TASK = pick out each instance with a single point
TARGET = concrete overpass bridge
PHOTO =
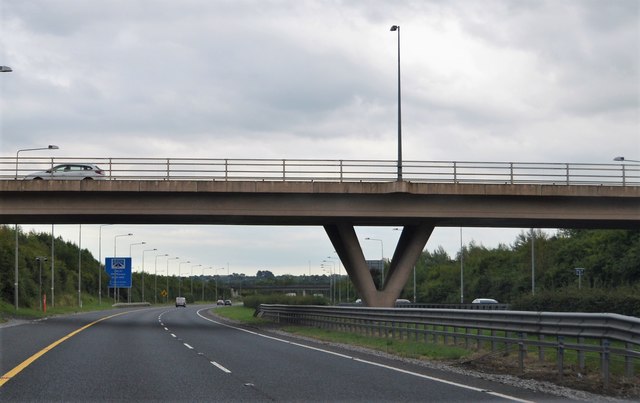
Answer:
(338, 195)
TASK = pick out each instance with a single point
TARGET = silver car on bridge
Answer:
(70, 171)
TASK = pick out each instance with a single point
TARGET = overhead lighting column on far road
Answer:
(100, 263)
(146, 250)
(116, 291)
(191, 275)
(381, 259)
(167, 290)
(50, 147)
(180, 277)
(155, 279)
(131, 256)
(397, 28)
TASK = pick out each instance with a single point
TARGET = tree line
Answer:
(610, 281)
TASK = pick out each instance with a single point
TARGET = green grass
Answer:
(403, 348)
(239, 313)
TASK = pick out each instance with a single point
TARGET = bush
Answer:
(623, 301)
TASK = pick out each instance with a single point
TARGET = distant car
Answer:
(181, 301)
(359, 301)
(227, 302)
(70, 171)
(220, 302)
(401, 301)
(484, 301)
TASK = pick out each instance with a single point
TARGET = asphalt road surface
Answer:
(185, 354)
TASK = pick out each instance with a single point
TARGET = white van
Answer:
(181, 301)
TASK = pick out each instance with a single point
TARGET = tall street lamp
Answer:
(100, 263)
(397, 28)
(191, 275)
(131, 256)
(155, 279)
(50, 147)
(146, 250)
(180, 277)
(171, 258)
(40, 259)
(625, 159)
(116, 291)
(381, 259)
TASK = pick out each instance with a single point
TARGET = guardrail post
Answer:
(522, 352)
(110, 169)
(284, 170)
(560, 356)
(493, 341)
(341, 171)
(168, 168)
(541, 349)
(628, 361)
(226, 169)
(624, 175)
(581, 354)
(605, 356)
(567, 168)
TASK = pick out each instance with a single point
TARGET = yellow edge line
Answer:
(24, 364)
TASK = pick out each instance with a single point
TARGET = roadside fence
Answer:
(621, 174)
(608, 336)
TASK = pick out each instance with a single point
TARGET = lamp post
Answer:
(180, 277)
(381, 259)
(116, 291)
(131, 256)
(339, 277)
(397, 28)
(155, 279)
(329, 270)
(100, 263)
(333, 270)
(50, 147)
(191, 275)
(216, 278)
(171, 258)
(40, 259)
(146, 250)
(621, 159)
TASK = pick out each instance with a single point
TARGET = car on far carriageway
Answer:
(220, 302)
(181, 301)
(69, 171)
(484, 301)
(227, 302)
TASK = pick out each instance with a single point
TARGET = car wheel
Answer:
(37, 179)
(87, 179)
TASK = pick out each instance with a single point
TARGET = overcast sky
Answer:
(532, 81)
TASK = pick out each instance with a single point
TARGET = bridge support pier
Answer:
(410, 246)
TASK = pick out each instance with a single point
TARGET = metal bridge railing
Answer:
(338, 170)
(608, 336)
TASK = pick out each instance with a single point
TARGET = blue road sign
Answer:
(119, 271)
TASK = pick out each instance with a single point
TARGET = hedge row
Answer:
(621, 301)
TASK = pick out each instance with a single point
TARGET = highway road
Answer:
(187, 354)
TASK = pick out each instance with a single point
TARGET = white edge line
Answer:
(188, 346)
(367, 362)
(173, 335)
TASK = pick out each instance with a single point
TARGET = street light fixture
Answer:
(50, 147)
(5, 69)
(40, 259)
(381, 259)
(191, 275)
(180, 277)
(155, 279)
(146, 250)
(397, 28)
(131, 256)
(622, 159)
(167, 290)
(116, 291)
